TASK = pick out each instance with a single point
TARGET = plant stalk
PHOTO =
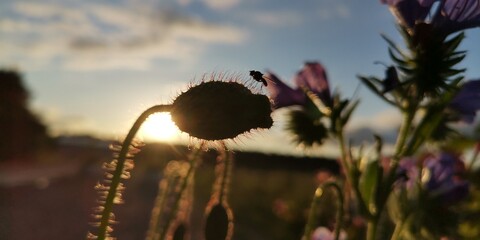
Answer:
(115, 181)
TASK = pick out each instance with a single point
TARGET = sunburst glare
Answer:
(159, 127)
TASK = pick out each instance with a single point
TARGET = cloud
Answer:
(60, 123)
(221, 4)
(277, 19)
(383, 120)
(330, 10)
(384, 124)
(98, 36)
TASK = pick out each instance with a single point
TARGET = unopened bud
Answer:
(217, 110)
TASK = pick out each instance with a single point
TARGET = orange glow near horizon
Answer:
(159, 127)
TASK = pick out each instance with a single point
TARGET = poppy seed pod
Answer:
(219, 223)
(217, 110)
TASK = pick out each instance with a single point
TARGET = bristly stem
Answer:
(193, 160)
(115, 180)
(309, 228)
(225, 162)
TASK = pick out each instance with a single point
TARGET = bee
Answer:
(258, 76)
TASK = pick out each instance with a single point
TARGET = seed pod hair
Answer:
(218, 110)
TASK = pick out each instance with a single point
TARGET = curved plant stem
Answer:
(408, 117)
(352, 180)
(194, 160)
(309, 228)
(372, 228)
(225, 175)
(115, 181)
(397, 231)
(346, 164)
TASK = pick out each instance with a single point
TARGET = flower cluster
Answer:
(312, 77)
(466, 102)
(318, 112)
(440, 177)
(446, 16)
(420, 192)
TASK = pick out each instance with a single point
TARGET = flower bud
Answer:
(219, 223)
(217, 110)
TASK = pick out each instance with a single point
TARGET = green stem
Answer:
(397, 231)
(372, 228)
(351, 179)
(310, 226)
(346, 164)
(427, 125)
(408, 117)
(115, 181)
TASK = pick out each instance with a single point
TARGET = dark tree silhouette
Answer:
(21, 133)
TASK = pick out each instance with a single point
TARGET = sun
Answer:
(159, 127)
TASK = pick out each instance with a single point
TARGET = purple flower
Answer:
(312, 77)
(453, 15)
(457, 15)
(467, 101)
(409, 12)
(283, 95)
(323, 233)
(439, 177)
(408, 172)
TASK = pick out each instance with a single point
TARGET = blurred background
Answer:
(76, 74)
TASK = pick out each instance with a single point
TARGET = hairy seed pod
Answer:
(217, 110)
(219, 223)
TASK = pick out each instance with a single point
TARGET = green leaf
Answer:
(393, 45)
(453, 43)
(406, 70)
(453, 61)
(429, 123)
(348, 112)
(369, 181)
(396, 59)
(452, 72)
(369, 83)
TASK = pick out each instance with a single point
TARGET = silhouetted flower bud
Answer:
(217, 110)
(219, 224)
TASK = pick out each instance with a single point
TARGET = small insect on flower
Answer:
(258, 76)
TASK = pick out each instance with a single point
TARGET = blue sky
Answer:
(94, 66)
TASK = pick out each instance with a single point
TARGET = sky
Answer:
(93, 66)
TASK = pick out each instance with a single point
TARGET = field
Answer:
(53, 198)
